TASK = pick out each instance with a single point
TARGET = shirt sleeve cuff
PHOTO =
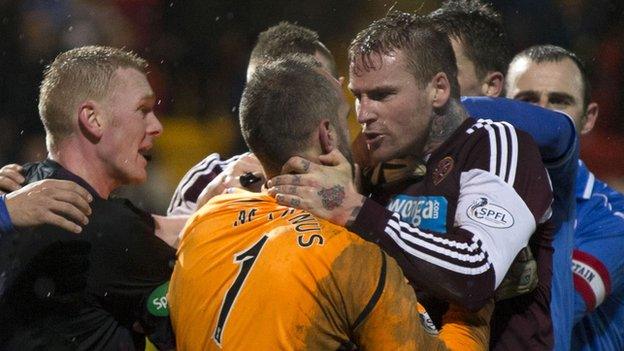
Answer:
(371, 221)
(6, 225)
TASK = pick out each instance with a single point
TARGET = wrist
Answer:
(352, 209)
(6, 225)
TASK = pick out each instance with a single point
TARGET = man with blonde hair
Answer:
(97, 108)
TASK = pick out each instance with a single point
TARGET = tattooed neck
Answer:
(442, 126)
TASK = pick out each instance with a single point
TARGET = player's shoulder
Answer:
(499, 142)
(496, 132)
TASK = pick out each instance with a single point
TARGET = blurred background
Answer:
(198, 52)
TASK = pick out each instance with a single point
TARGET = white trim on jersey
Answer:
(403, 239)
(514, 152)
(180, 206)
(589, 186)
(504, 145)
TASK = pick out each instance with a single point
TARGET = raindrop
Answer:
(162, 61)
(105, 293)
(158, 102)
(44, 287)
(171, 4)
(22, 132)
(70, 29)
(234, 109)
(217, 18)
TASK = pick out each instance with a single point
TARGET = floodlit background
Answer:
(198, 51)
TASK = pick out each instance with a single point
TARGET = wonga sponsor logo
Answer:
(424, 212)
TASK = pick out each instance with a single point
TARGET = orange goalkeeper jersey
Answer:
(254, 275)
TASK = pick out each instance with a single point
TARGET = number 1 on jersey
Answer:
(246, 259)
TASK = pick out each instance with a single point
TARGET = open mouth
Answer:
(146, 155)
(373, 140)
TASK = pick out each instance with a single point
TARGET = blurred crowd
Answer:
(198, 51)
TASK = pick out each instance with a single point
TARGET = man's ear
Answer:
(493, 84)
(441, 89)
(90, 120)
(590, 118)
(327, 136)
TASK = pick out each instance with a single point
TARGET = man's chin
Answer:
(136, 179)
(379, 156)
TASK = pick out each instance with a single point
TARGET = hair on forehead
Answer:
(282, 105)
(427, 51)
(553, 53)
(480, 29)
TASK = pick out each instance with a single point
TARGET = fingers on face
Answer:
(297, 164)
(333, 158)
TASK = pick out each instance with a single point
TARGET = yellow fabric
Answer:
(306, 288)
(149, 346)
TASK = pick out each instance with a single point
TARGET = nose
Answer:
(364, 111)
(154, 127)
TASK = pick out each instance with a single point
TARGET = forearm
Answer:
(168, 228)
(458, 263)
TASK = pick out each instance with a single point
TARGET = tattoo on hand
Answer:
(332, 197)
(295, 202)
(296, 179)
(306, 165)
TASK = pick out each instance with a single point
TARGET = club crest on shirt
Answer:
(424, 212)
(485, 212)
(443, 168)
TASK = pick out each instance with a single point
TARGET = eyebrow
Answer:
(562, 96)
(148, 97)
(532, 94)
(382, 88)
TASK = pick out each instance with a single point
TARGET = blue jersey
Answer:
(598, 265)
(556, 137)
